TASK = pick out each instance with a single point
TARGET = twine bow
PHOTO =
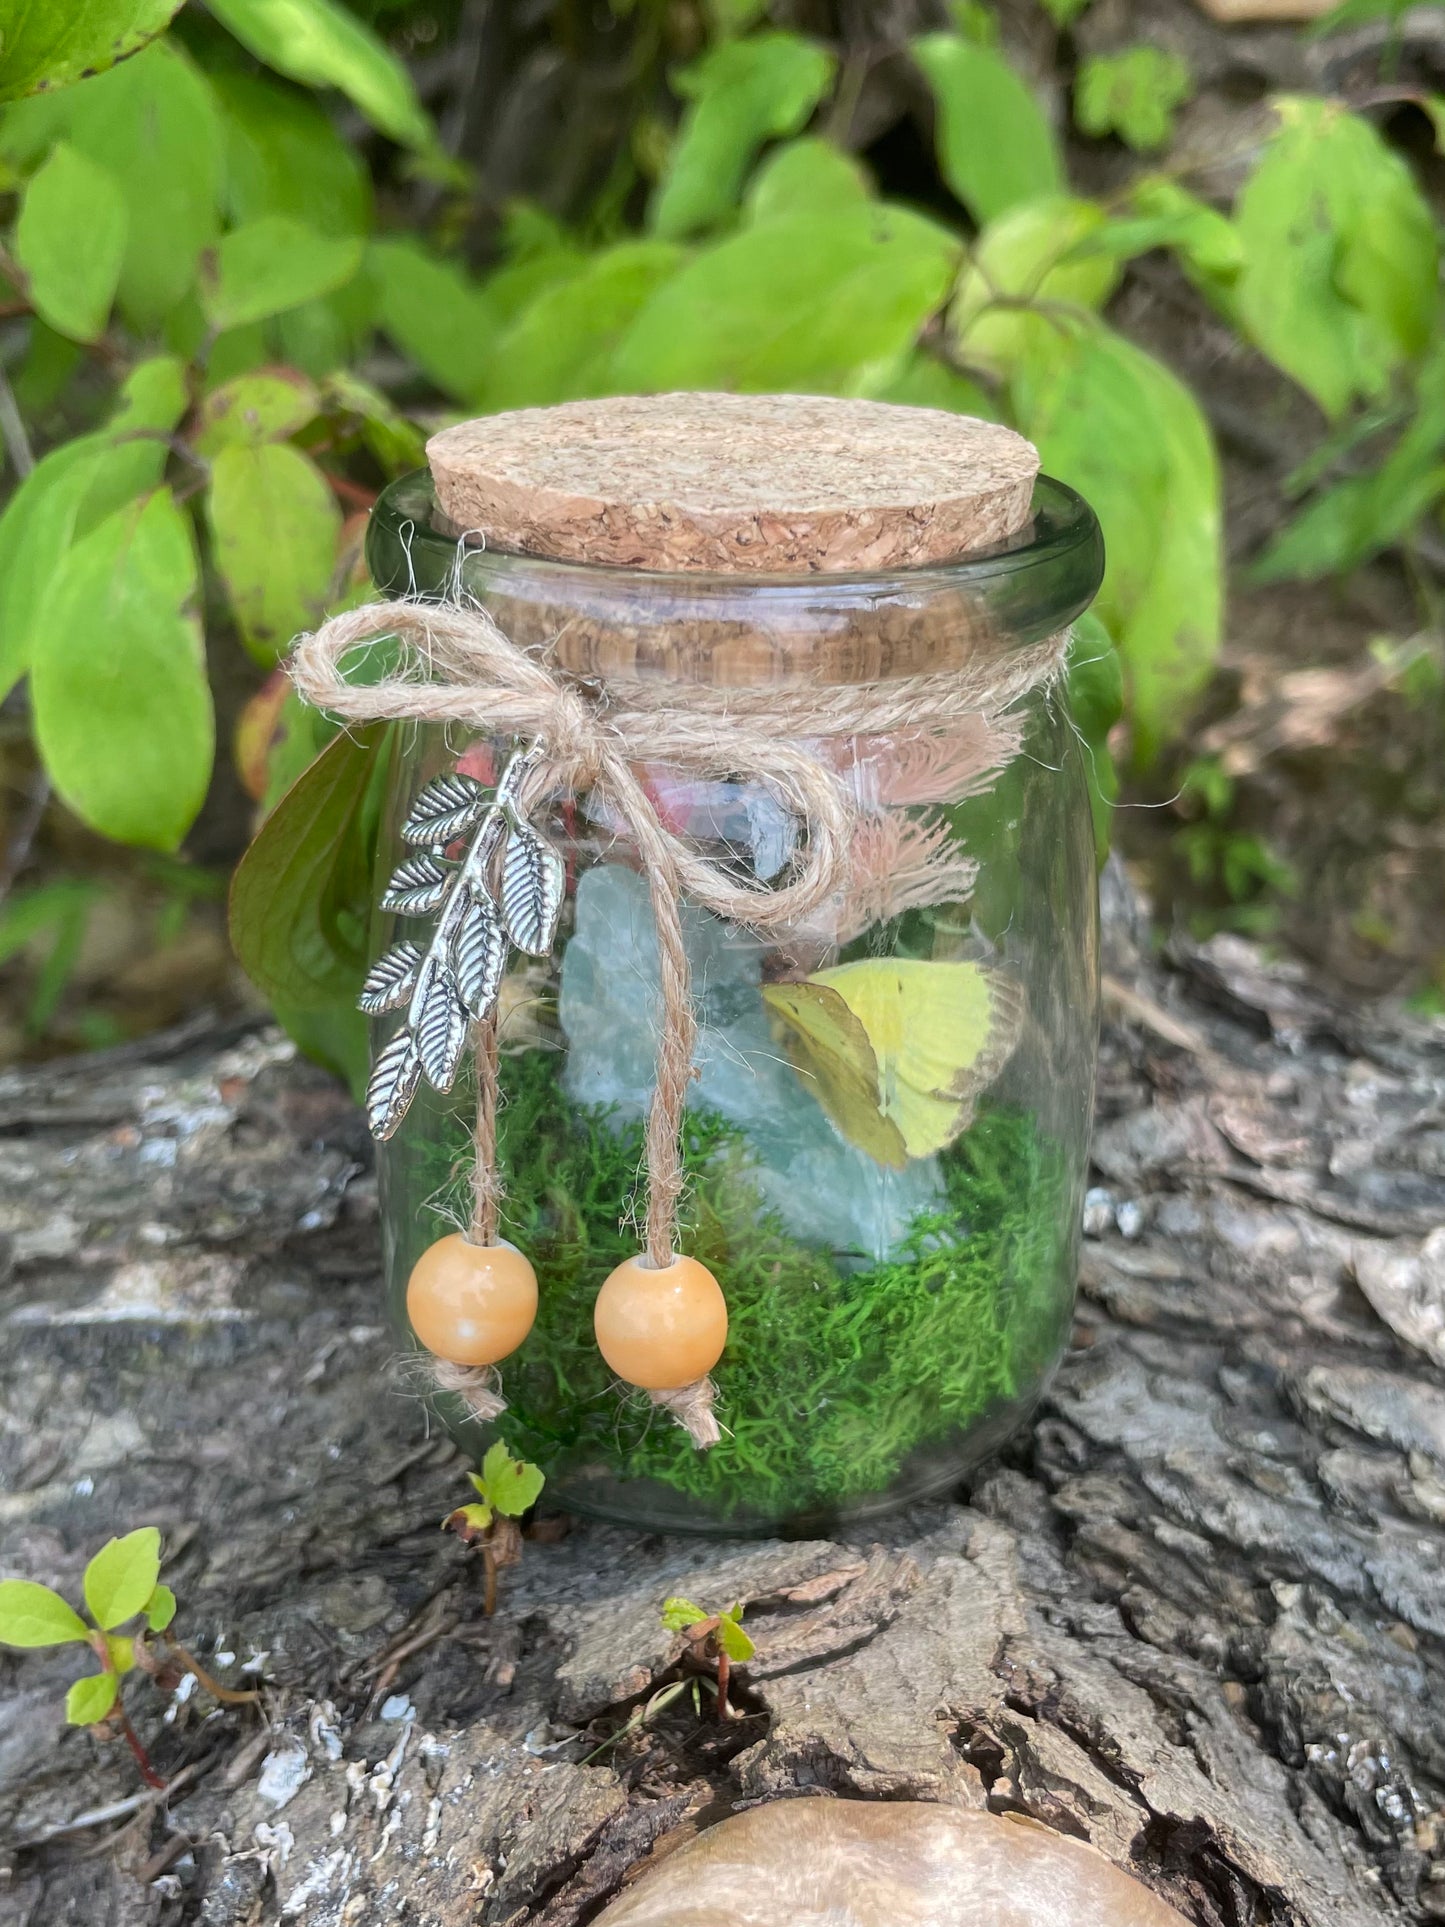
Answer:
(454, 664)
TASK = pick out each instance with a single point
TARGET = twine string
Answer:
(455, 665)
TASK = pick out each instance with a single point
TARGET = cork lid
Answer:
(762, 484)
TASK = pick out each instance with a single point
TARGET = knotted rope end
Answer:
(479, 1388)
(692, 1407)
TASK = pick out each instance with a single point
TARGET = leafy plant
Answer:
(715, 1639)
(506, 1488)
(1134, 93)
(122, 1586)
(1229, 861)
(208, 441)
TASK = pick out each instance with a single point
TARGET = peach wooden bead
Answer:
(471, 1304)
(661, 1328)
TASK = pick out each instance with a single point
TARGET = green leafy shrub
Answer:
(194, 364)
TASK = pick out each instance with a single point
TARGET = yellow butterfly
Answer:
(897, 1050)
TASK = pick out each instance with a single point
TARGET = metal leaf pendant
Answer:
(416, 887)
(448, 807)
(390, 980)
(394, 1078)
(457, 979)
(481, 958)
(533, 880)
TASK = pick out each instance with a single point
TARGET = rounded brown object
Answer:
(471, 1304)
(661, 1327)
(855, 1863)
(766, 484)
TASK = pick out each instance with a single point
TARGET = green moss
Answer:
(832, 1378)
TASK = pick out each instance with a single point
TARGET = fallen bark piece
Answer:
(1407, 1289)
(902, 1863)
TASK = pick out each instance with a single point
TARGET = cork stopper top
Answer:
(762, 484)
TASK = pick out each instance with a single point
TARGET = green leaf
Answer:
(478, 1516)
(920, 380)
(1134, 93)
(151, 402)
(561, 346)
(743, 93)
(284, 156)
(266, 407)
(334, 1035)
(1094, 677)
(52, 43)
(160, 1609)
(153, 125)
(272, 264)
(122, 1576)
(678, 1614)
(1064, 13)
(1339, 279)
(1344, 525)
(731, 1638)
(321, 44)
(275, 524)
(91, 1698)
(321, 336)
(1165, 215)
(72, 489)
(118, 678)
(72, 285)
(1119, 427)
(33, 1615)
(1048, 253)
(122, 1652)
(803, 304)
(511, 1485)
(995, 147)
(51, 921)
(806, 177)
(436, 314)
(301, 896)
(396, 442)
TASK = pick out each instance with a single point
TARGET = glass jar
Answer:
(897, 1247)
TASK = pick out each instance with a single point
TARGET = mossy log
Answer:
(1193, 1614)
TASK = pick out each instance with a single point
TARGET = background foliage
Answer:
(250, 262)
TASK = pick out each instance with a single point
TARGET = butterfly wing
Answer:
(940, 1034)
(829, 1049)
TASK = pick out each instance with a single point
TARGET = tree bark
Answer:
(1193, 1614)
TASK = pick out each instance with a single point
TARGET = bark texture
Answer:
(1193, 1615)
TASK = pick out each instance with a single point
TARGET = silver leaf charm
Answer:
(533, 880)
(448, 807)
(394, 1078)
(390, 980)
(480, 957)
(457, 979)
(416, 887)
(439, 1022)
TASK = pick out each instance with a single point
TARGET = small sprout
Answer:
(505, 1489)
(716, 1638)
(121, 1584)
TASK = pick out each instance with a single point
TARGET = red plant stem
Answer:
(142, 1758)
(489, 1567)
(100, 1645)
